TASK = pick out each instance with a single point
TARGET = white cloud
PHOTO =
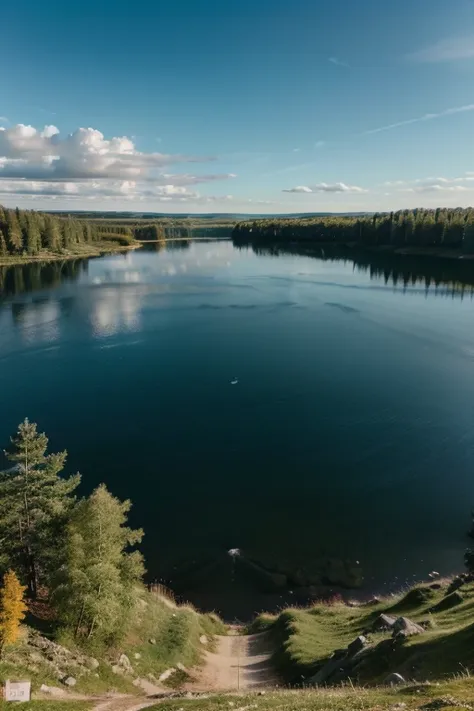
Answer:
(81, 155)
(4, 119)
(433, 184)
(446, 50)
(326, 188)
(425, 117)
(337, 62)
(319, 144)
(298, 189)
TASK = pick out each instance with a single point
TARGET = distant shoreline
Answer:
(97, 249)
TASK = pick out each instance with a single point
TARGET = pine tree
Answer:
(52, 235)
(14, 235)
(12, 608)
(34, 504)
(97, 585)
(33, 235)
(3, 244)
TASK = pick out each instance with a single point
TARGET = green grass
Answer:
(176, 631)
(306, 638)
(49, 705)
(338, 699)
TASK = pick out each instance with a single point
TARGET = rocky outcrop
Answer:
(383, 623)
(341, 663)
(403, 627)
(62, 663)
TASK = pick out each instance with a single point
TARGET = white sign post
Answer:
(17, 690)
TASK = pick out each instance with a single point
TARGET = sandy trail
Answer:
(240, 662)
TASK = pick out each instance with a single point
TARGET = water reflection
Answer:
(22, 278)
(438, 276)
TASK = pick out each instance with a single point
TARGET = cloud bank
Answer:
(326, 188)
(86, 164)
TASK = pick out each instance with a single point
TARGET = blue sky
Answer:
(237, 105)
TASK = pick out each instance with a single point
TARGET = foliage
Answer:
(421, 228)
(29, 233)
(96, 587)
(12, 608)
(34, 504)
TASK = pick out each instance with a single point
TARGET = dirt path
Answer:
(240, 662)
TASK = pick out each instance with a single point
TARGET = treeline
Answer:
(419, 228)
(76, 554)
(29, 233)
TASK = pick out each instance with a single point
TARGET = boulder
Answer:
(338, 662)
(203, 639)
(451, 600)
(404, 627)
(152, 640)
(70, 681)
(357, 645)
(137, 655)
(125, 663)
(394, 679)
(92, 663)
(116, 669)
(383, 622)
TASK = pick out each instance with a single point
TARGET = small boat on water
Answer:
(234, 381)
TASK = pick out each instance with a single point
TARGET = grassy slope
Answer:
(176, 631)
(307, 637)
(342, 699)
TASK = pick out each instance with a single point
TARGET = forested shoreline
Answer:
(451, 229)
(26, 234)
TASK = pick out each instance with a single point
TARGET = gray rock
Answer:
(383, 622)
(203, 639)
(92, 663)
(116, 669)
(335, 664)
(394, 679)
(70, 681)
(137, 655)
(451, 600)
(152, 640)
(124, 662)
(181, 666)
(406, 628)
(357, 645)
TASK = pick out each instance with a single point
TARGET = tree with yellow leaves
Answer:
(12, 608)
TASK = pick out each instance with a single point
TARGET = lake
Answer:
(350, 431)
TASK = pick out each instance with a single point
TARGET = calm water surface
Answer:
(349, 433)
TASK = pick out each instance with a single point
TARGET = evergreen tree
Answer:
(33, 235)
(3, 244)
(52, 235)
(34, 504)
(97, 585)
(14, 235)
(12, 608)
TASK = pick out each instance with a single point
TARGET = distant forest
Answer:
(453, 229)
(29, 233)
